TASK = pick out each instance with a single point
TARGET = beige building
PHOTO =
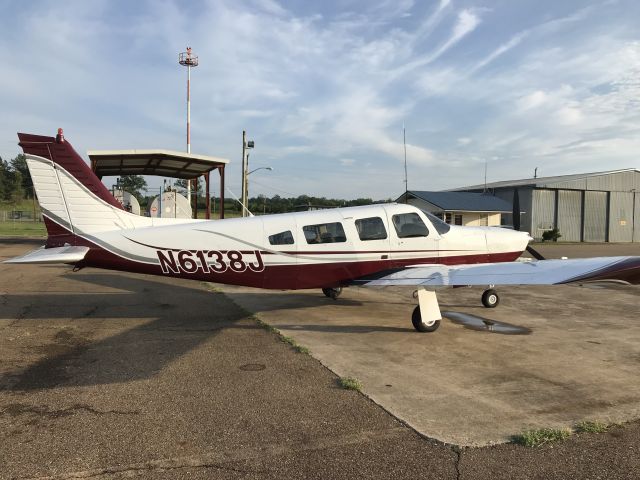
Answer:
(459, 208)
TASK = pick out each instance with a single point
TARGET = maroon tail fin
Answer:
(60, 152)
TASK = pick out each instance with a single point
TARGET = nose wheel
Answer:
(333, 293)
(423, 326)
(490, 298)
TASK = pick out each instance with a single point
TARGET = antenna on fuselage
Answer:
(238, 200)
(485, 176)
(406, 185)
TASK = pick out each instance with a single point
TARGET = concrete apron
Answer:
(469, 387)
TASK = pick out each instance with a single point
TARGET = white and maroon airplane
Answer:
(377, 245)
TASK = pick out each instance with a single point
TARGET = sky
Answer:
(325, 88)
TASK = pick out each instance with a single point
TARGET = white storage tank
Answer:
(128, 201)
(173, 205)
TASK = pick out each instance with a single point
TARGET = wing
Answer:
(542, 272)
(68, 254)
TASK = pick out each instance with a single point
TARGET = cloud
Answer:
(320, 86)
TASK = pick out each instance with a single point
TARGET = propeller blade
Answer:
(534, 253)
(516, 210)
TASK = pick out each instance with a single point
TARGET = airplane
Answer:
(372, 246)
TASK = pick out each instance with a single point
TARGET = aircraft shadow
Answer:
(170, 320)
(345, 328)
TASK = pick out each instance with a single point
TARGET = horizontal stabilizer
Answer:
(68, 254)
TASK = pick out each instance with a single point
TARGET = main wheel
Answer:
(490, 298)
(419, 325)
(332, 292)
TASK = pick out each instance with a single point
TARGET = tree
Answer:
(3, 179)
(19, 165)
(17, 192)
(134, 184)
(181, 186)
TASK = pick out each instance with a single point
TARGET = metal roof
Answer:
(463, 201)
(543, 181)
(165, 163)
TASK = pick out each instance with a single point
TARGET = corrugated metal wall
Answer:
(543, 211)
(595, 216)
(621, 217)
(569, 215)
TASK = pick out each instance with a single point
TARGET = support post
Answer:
(221, 170)
(207, 214)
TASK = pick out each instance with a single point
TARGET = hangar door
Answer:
(595, 216)
(621, 217)
(542, 208)
(569, 215)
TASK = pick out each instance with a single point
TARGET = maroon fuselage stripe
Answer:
(280, 277)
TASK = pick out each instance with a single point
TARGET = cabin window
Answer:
(282, 238)
(409, 225)
(324, 233)
(371, 229)
(439, 224)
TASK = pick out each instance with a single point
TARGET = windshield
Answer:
(440, 226)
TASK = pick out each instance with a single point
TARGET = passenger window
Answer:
(409, 225)
(282, 238)
(371, 229)
(324, 233)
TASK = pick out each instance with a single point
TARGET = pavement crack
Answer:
(16, 409)
(458, 451)
(221, 460)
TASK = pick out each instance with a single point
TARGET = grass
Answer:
(592, 427)
(542, 436)
(283, 338)
(350, 383)
(22, 229)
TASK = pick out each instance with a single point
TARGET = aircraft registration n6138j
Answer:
(376, 245)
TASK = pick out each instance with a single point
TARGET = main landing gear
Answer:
(490, 298)
(333, 293)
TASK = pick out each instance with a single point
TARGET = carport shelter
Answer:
(163, 163)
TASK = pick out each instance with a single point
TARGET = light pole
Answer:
(246, 180)
(187, 59)
(246, 145)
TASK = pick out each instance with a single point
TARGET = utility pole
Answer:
(243, 194)
(246, 146)
(187, 59)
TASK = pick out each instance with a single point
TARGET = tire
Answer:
(419, 325)
(490, 298)
(332, 292)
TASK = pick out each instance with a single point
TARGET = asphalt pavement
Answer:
(112, 375)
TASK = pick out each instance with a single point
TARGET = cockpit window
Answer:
(440, 226)
(324, 233)
(409, 225)
(371, 228)
(282, 238)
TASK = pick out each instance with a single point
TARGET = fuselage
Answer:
(316, 249)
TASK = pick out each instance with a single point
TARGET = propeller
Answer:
(516, 223)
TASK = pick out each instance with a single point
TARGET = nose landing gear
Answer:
(333, 293)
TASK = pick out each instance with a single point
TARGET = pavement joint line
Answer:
(274, 330)
(215, 459)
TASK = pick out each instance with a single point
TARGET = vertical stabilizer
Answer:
(60, 152)
(73, 200)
